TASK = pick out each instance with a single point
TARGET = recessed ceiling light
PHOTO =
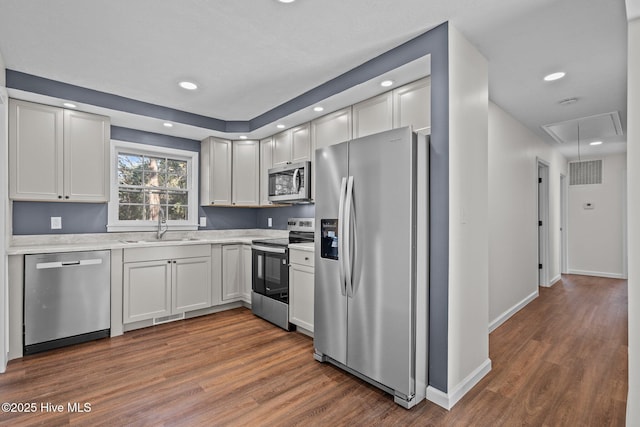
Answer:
(188, 85)
(243, 136)
(286, 1)
(386, 83)
(70, 105)
(280, 126)
(167, 125)
(595, 143)
(318, 108)
(554, 76)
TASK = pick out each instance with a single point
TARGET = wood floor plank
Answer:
(560, 361)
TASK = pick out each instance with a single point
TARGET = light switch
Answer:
(203, 221)
(56, 223)
(269, 222)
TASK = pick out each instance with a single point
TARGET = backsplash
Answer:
(79, 218)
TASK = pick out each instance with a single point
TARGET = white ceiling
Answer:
(249, 57)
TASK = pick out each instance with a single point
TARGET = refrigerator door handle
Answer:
(341, 221)
(346, 233)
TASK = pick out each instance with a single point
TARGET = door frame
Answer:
(4, 230)
(564, 224)
(543, 215)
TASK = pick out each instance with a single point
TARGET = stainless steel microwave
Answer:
(290, 183)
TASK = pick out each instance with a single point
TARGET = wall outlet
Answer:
(203, 221)
(56, 223)
(269, 222)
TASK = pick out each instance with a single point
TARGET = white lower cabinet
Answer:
(167, 280)
(236, 273)
(301, 288)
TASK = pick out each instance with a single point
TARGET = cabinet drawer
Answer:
(297, 256)
(166, 252)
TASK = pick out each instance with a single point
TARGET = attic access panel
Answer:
(598, 127)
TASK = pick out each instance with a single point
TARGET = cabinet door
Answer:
(215, 171)
(301, 290)
(231, 280)
(147, 290)
(35, 151)
(373, 115)
(247, 273)
(331, 129)
(328, 130)
(246, 173)
(266, 163)
(301, 143)
(86, 157)
(412, 105)
(191, 284)
(282, 148)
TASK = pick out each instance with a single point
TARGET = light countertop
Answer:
(35, 244)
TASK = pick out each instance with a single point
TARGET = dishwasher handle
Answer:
(61, 264)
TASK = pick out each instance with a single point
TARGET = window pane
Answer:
(130, 212)
(177, 167)
(155, 164)
(178, 212)
(175, 181)
(155, 197)
(130, 195)
(129, 169)
(178, 198)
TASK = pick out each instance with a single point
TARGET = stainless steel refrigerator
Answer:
(370, 313)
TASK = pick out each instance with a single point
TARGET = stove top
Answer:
(273, 242)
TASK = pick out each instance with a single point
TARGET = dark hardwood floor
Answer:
(561, 361)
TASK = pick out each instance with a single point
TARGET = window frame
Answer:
(191, 157)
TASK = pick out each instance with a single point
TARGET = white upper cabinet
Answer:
(266, 163)
(57, 154)
(300, 143)
(292, 145)
(215, 171)
(86, 156)
(246, 173)
(331, 129)
(412, 105)
(373, 115)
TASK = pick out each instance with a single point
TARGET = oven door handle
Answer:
(269, 249)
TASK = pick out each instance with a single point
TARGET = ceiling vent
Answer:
(585, 172)
(596, 127)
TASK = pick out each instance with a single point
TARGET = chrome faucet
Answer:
(161, 220)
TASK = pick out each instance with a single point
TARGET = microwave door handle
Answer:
(296, 179)
(341, 257)
(348, 261)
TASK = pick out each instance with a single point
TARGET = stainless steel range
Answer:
(270, 266)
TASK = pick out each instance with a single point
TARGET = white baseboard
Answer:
(513, 310)
(555, 280)
(598, 274)
(448, 400)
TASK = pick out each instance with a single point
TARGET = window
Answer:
(147, 181)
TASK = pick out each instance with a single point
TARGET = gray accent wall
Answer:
(77, 218)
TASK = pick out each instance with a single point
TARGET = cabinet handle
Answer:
(306, 258)
(66, 197)
(168, 261)
(175, 262)
(59, 197)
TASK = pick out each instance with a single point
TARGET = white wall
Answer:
(513, 215)
(633, 213)
(596, 236)
(4, 109)
(468, 215)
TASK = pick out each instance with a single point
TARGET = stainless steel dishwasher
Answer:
(67, 299)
